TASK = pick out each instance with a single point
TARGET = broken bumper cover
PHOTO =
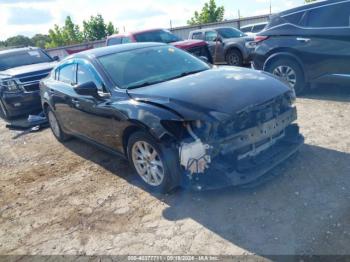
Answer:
(268, 145)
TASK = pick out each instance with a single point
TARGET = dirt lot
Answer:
(75, 199)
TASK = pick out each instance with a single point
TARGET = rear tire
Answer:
(55, 126)
(290, 72)
(156, 165)
(234, 57)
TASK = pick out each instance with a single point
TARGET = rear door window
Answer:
(336, 15)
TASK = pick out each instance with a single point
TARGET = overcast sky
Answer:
(29, 17)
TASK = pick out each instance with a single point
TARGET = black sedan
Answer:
(178, 120)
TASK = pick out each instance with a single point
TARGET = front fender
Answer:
(148, 116)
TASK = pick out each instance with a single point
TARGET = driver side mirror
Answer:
(56, 58)
(87, 89)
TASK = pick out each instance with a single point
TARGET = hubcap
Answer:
(147, 163)
(54, 124)
(287, 74)
(233, 59)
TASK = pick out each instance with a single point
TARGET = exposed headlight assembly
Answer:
(10, 86)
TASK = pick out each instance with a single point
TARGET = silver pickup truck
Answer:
(226, 44)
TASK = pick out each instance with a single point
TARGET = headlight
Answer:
(10, 86)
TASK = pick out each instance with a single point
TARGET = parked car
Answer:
(253, 29)
(196, 47)
(21, 69)
(172, 115)
(307, 44)
(226, 44)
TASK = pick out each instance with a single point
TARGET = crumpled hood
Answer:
(217, 93)
(186, 44)
(23, 70)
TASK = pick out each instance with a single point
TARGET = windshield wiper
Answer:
(148, 83)
(186, 74)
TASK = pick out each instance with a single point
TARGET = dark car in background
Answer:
(308, 44)
(21, 69)
(226, 44)
(253, 29)
(196, 47)
(176, 119)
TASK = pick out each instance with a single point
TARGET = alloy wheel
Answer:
(287, 74)
(147, 163)
(3, 110)
(233, 59)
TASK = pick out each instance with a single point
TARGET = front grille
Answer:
(32, 78)
(31, 87)
(30, 83)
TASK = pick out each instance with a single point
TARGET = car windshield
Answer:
(22, 58)
(229, 32)
(162, 36)
(147, 66)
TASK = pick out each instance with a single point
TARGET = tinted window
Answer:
(67, 74)
(210, 36)
(246, 29)
(229, 32)
(126, 40)
(337, 15)
(162, 36)
(146, 66)
(21, 58)
(258, 28)
(294, 19)
(198, 35)
(114, 41)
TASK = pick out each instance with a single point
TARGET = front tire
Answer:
(153, 162)
(290, 72)
(234, 57)
(55, 126)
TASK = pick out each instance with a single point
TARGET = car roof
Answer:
(13, 50)
(102, 51)
(212, 28)
(136, 32)
(262, 23)
(311, 6)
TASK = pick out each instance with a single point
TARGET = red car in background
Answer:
(196, 47)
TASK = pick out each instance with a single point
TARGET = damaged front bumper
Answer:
(248, 155)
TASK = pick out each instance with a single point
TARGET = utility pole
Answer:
(270, 7)
(171, 24)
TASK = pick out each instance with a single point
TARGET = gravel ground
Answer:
(74, 199)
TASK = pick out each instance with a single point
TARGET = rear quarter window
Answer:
(336, 15)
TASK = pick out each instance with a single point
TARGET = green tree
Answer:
(210, 13)
(309, 1)
(67, 35)
(19, 40)
(40, 40)
(96, 28)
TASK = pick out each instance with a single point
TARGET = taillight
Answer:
(260, 38)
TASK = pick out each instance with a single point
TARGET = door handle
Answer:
(302, 39)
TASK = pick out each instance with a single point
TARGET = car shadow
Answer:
(337, 93)
(297, 212)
